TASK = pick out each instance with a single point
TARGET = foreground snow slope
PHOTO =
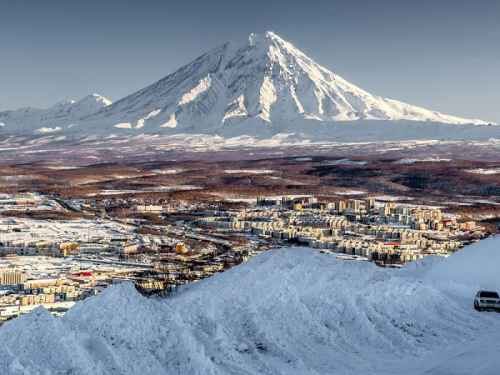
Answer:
(289, 311)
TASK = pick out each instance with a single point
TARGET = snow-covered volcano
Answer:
(261, 86)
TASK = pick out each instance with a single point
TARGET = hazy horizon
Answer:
(439, 56)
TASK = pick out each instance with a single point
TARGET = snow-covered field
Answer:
(347, 144)
(391, 198)
(345, 162)
(25, 231)
(485, 171)
(351, 192)
(167, 171)
(159, 189)
(248, 171)
(288, 311)
(422, 160)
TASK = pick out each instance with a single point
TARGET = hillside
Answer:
(247, 88)
(61, 116)
(288, 311)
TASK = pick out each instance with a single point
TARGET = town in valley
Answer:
(57, 249)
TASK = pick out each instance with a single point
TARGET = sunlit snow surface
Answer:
(288, 311)
(485, 171)
(260, 87)
(61, 116)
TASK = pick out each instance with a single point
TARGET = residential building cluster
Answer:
(385, 232)
(160, 245)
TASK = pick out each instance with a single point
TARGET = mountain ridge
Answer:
(54, 119)
(263, 87)
(267, 79)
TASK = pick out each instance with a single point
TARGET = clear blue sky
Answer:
(441, 54)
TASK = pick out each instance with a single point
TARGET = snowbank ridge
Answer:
(288, 311)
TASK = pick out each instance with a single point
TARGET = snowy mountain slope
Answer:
(60, 117)
(292, 311)
(253, 88)
(262, 87)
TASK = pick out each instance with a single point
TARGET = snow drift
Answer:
(483, 273)
(288, 311)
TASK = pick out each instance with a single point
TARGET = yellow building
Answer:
(68, 248)
(37, 299)
(11, 277)
(181, 248)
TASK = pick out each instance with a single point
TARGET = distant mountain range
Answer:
(60, 117)
(262, 87)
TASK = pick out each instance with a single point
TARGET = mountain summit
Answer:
(261, 87)
(265, 82)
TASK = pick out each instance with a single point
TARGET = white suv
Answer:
(487, 300)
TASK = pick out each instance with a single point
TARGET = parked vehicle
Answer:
(487, 300)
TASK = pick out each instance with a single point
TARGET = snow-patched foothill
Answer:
(288, 311)
(60, 117)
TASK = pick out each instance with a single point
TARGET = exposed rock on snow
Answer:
(286, 311)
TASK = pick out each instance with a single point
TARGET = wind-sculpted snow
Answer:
(458, 269)
(288, 311)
